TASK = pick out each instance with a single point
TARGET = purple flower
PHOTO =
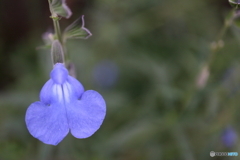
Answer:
(105, 74)
(64, 106)
(229, 137)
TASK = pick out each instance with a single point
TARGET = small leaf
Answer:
(57, 52)
(60, 8)
(77, 30)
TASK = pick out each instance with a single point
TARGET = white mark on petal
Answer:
(62, 92)
(67, 90)
(57, 91)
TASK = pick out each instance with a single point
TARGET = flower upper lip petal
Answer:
(59, 74)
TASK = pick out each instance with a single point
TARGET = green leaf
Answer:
(234, 3)
(60, 8)
(77, 30)
(57, 52)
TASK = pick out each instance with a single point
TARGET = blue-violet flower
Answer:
(64, 106)
(229, 137)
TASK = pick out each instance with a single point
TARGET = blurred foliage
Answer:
(156, 50)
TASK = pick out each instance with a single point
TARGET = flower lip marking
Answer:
(60, 110)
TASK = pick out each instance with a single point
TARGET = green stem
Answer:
(57, 29)
(59, 37)
(225, 27)
(194, 90)
(58, 34)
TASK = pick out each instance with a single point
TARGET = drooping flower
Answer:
(64, 106)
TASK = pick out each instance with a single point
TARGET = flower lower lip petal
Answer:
(85, 116)
(47, 123)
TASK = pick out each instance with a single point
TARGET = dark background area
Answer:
(144, 57)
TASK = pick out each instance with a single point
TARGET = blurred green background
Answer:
(144, 57)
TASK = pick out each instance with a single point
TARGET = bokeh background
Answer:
(170, 83)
